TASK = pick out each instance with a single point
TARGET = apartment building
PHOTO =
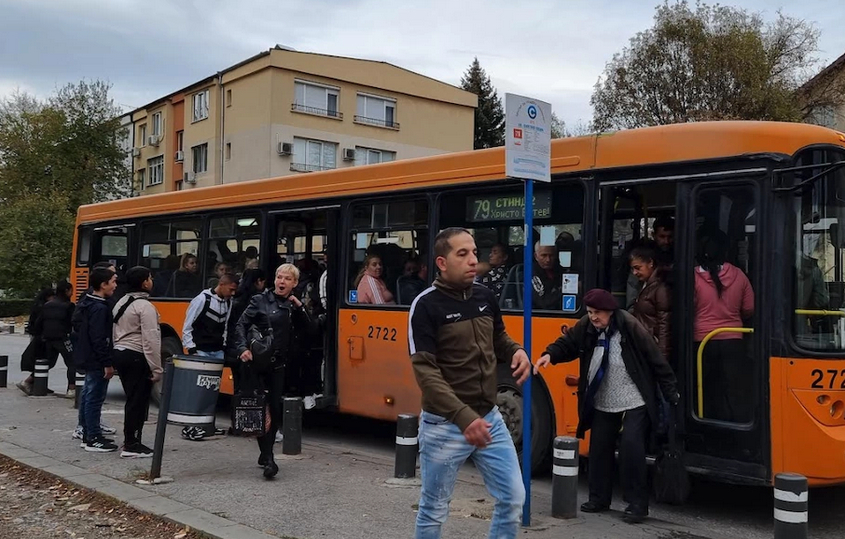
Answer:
(830, 82)
(285, 112)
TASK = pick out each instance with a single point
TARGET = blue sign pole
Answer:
(528, 273)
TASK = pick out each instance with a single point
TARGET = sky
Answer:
(553, 50)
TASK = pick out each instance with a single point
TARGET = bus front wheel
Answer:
(509, 401)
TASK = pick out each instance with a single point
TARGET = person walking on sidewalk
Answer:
(54, 325)
(35, 349)
(457, 339)
(137, 356)
(204, 331)
(92, 322)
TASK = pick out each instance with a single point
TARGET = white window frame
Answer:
(142, 131)
(200, 101)
(156, 125)
(302, 145)
(142, 178)
(301, 106)
(156, 171)
(202, 149)
(180, 140)
(361, 112)
(362, 155)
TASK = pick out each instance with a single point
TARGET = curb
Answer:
(179, 513)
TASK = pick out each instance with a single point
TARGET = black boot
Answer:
(270, 467)
(262, 460)
(635, 514)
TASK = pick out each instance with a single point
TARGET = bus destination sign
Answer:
(507, 207)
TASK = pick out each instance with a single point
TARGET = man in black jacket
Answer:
(55, 327)
(92, 322)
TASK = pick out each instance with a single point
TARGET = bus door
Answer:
(308, 239)
(103, 244)
(721, 365)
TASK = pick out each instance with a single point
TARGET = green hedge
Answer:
(14, 307)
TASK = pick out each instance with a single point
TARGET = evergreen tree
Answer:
(490, 115)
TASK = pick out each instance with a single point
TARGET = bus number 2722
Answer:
(819, 377)
(380, 333)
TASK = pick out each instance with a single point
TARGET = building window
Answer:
(378, 111)
(180, 140)
(142, 134)
(201, 106)
(140, 178)
(156, 125)
(228, 98)
(228, 151)
(824, 116)
(156, 167)
(200, 158)
(316, 99)
(371, 156)
(313, 155)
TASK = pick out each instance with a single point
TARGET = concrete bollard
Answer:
(79, 384)
(292, 426)
(42, 371)
(791, 506)
(4, 370)
(565, 477)
(407, 446)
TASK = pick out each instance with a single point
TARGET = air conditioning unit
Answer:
(136, 152)
(152, 140)
(285, 148)
(180, 156)
(190, 177)
(349, 154)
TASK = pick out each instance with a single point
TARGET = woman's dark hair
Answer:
(712, 251)
(44, 296)
(645, 251)
(248, 280)
(63, 288)
(136, 277)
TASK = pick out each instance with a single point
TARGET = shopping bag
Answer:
(671, 482)
(250, 408)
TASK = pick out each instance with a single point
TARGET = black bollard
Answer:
(4, 370)
(292, 430)
(791, 506)
(79, 384)
(42, 371)
(565, 478)
(407, 446)
(161, 426)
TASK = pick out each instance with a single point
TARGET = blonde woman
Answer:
(370, 285)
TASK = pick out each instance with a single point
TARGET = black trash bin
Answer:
(196, 385)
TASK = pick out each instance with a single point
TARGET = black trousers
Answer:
(273, 383)
(727, 374)
(53, 349)
(633, 471)
(135, 376)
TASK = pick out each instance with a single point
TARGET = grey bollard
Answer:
(791, 506)
(407, 446)
(292, 426)
(79, 384)
(161, 425)
(42, 371)
(565, 477)
(4, 370)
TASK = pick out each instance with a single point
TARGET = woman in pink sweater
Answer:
(723, 299)
(371, 287)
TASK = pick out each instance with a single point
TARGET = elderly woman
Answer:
(621, 369)
(279, 311)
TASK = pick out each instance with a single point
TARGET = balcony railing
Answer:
(305, 167)
(376, 122)
(297, 107)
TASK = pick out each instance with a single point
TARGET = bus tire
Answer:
(170, 346)
(509, 401)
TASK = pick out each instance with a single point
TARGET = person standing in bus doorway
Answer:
(137, 356)
(723, 299)
(457, 338)
(653, 306)
(92, 322)
(55, 328)
(253, 282)
(204, 330)
(621, 369)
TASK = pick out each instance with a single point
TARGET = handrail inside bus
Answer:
(700, 358)
(811, 312)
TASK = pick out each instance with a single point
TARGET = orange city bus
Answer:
(777, 191)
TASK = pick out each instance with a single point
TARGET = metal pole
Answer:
(527, 273)
(565, 478)
(161, 426)
(791, 506)
(42, 372)
(407, 446)
(292, 430)
(78, 383)
(4, 370)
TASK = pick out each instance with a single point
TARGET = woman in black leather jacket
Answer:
(282, 312)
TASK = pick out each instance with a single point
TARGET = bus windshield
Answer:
(818, 303)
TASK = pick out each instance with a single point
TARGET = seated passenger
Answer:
(220, 269)
(410, 286)
(547, 281)
(494, 272)
(370, 286)
(187, 282)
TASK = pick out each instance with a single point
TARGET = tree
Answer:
(707, 63)
(55, 155)
(560, 130)
(489, 115)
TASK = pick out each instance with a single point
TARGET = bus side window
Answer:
(233, 246)
(171, 251)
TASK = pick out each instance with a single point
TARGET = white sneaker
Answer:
(77, 433)
(309, 402)
(279, 437)
(105, 429)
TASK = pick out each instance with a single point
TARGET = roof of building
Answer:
(837, 64)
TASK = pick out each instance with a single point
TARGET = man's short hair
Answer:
(63, 288)
(228, 278)
(105, 264)
(99, 277)
(665, 222)
(442, 247)
(136, 277)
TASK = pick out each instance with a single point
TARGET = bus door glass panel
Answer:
(234, 244)
(111, 244)
(622, 227)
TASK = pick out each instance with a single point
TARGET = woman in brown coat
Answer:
(653, 306)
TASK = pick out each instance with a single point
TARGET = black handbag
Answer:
(250, 409)
(261, 346)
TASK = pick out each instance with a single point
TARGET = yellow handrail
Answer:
(810, 312)
(700, 358)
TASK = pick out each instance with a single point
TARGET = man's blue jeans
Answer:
(91, 403)
(217, 354)
(443, 450)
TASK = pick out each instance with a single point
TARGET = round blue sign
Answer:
(532, 111)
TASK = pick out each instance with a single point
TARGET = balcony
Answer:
(377, 122)
(305, 167)
(297, 107)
